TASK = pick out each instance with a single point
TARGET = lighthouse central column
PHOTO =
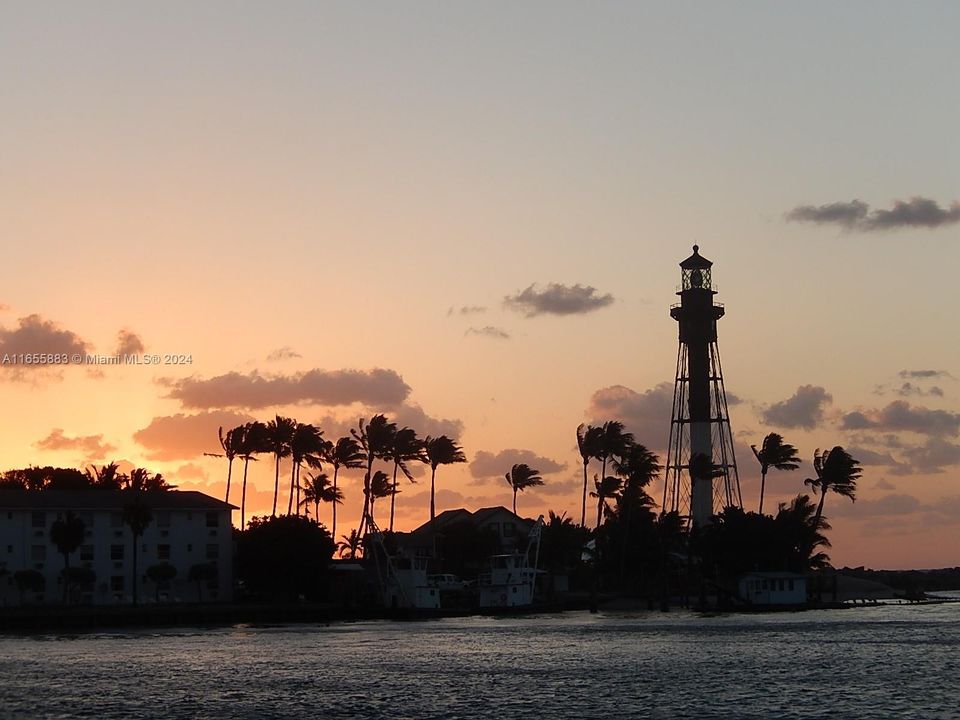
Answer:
(701, 488)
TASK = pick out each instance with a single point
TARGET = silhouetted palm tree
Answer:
(317, 489)
(375, 438)
(836, 472)
(380, 487)
(230, 442)
(800, 532)
(279, 433)
(137, 516)
(613, 442)
(440, 451)
(521, 477)
(141, 479)
(405, 448)
(588, 442)
(67, 534)
(606, 488)
(774, 453)
(345, 453)
(306, 445)
(106, 477)
(349, 545)
(253, 440)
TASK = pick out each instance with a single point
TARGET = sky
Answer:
(468, 216)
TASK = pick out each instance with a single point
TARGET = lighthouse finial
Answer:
(696, 248)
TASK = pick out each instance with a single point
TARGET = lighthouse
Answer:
(701, 470)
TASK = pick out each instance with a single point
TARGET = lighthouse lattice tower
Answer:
(700, 425)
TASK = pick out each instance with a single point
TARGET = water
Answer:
(875, 662)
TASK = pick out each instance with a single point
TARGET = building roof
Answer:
(696, 261)
(479, 517)
(108, 500)
(785, 574)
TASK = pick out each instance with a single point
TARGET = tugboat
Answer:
(511, 579)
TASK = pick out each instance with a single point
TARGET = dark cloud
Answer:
(284, 353)
(871, 457)
(924, 374)
(804, 409)
(36, 336)
(557, 299)
(931, 457)
(466, 310)
(129, 343)
(315, 387)
(917, 212)
(489, 465)
(413, 416)
(186, 437)
(907, 389)
(92, 446)
(884, 484)
(900, 415)
(894, 504)
(646, 415)
(489, 331)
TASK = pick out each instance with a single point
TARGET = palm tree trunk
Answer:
(514, 500)
(243, 495)
(333, 531)
(366, 498)
(229, 474)
(583, 509)
(433, 506)
(763, 484)
(276, 487)
(599, 508)
(393, 495)
(816, 519)
(135, 544)
(316, 510)
(293, 477)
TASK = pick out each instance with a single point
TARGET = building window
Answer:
(86, 553)
(213, 551)
(780, 585)
(790, 584)
(116, 583)
(39, 519)
(116, 552)
(213, 519)
(764, 581)
(38, 553)
(163, 552)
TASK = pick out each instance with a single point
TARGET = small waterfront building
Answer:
(510, 529)
(187, 530)
(773, 588)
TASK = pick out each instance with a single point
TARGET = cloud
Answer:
(186, 437)
(92, 446)
(489, 465)
(129, 343)
(190, 471)
(884, 484)
(466, 310)
(284, 353)
(557, 299)
(646, 415)
(489, 331)
(917, 212)
(924, 374)
(866, 456)
(803, 409)
(900, 415)
(931, 457)
(908, 388)
(36, 336)
(413, 416)
(314, 387)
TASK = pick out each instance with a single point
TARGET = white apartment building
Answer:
(187, 529)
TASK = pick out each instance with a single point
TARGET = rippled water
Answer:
(875, 662)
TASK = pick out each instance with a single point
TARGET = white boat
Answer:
(510, 580)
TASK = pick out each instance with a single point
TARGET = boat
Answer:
(510, 580)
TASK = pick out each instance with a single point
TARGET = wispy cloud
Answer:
(917, 212)
(494, 465)
(129, 343)
(558, 299)
(466, 310)
(902, 416)
(489, 331)
(284, 353)
(92, 446)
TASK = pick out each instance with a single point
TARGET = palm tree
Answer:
(588, 442)
(345, 453)
(606, 488)
(230, 442)
(143, 480)
(349, 545)
(279, 433)
(67, 534)
(440, 451)
(253, 440)
(317, 489)
(406, 447)
(137, 516)
(613, 442)
(375, 438)
(306, 444)
(106, 477)
(836, 472)
(521, 477)
(380, 487)
(798, 533)
(774, 453)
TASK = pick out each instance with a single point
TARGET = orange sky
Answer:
(368, 190)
